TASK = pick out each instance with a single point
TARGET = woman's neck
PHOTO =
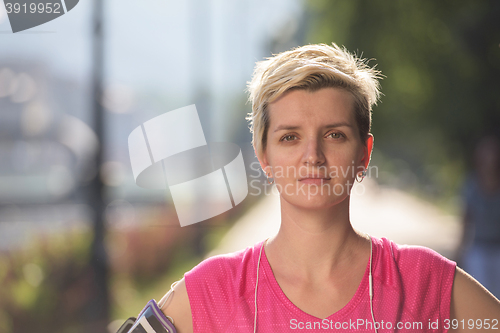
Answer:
(316, 244)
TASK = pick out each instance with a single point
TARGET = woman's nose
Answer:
(313, 154)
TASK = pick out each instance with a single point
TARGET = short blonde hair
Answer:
(311, 67)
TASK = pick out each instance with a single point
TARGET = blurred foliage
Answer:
(45, 285)
(48, 285)
(131, 290)
(441, 61)
(130, 294)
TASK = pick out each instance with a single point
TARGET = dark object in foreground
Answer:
(150, 320)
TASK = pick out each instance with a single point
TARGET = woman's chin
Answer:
(313, 201)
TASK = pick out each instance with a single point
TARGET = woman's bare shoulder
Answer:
(221, 272)
(175, 304)
(470, 300)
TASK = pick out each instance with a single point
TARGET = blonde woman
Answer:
(311, 117)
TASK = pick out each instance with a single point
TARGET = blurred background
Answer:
(82, 247)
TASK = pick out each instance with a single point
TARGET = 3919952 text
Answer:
(32, 7)
(472, 324)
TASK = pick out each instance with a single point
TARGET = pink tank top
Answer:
(411, 286)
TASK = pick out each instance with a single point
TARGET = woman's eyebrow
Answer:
(291, 127)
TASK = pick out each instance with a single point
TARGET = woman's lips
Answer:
(317, 181)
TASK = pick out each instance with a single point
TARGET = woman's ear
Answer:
(263, 162)
(367, 151)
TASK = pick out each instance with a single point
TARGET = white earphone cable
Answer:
(256, 284)
(370, 284)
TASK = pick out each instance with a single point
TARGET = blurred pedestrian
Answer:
(481, 237)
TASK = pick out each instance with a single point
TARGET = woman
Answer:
(311, 116)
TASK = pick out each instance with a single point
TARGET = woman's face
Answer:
(314, 150)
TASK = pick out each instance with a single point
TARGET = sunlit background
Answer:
(441, 62)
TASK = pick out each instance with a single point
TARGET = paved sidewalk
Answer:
(379, 211)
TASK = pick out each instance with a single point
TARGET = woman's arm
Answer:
(470, 300)
(178, 308)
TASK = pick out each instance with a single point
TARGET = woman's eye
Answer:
(288, 137)
(335, 135)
